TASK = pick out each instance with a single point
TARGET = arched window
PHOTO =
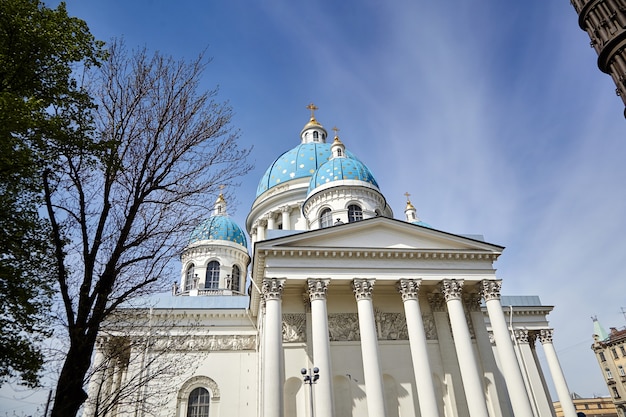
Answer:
(354, 213)
(236, 279)
(189, 278)
(198, 403)
(326, 218)
(316, 136)
(212, 281)
(338, 152)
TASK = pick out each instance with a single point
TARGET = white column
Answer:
(271, 225)
(317, 289)
(253, 232)
(545, 337)
(97, 378)
(540, 397)
(375, 393)
(260, 230)
(409, 289)
(273, 378)
(286, 211)
(490, 290)
(470, 374)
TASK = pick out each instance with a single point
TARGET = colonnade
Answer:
(471, 373)
(270, 222)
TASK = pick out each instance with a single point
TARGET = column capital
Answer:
(545, 336)
(363, 288)
(408, 288)
(522, 336)
(263, 221)
(472, 301)
(437, 302)
(285, 209)
(272, 288)
(317, 288)
(451, 289)
(490, 289)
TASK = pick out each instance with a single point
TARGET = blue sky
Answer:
(492, 114)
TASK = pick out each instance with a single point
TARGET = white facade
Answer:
(399, 318)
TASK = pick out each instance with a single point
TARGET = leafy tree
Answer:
(120, 215)
(39, 48)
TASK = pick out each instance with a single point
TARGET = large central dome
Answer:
(299, 162)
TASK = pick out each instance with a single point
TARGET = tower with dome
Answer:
(395, 317)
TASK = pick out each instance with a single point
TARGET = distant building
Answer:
(590, 407)
(605, 23)
(610, 350)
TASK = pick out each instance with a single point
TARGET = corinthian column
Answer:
(372, 373)
(317, 289)
(409, 288)
(273, 378)
(470, 374)
(545, 337)
(490, 290)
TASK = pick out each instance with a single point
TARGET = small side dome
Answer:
(219, 228)
(341, 169)
(411, 213)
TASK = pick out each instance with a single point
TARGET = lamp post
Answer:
(310, 378)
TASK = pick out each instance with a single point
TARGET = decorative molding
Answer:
(490, 289)
(317, 288)
(451, 289)
(391, 326)
(343, 327)
(294, 327)
(396, 253)
(408, 288)
(272, 288)
(211, 343)
(199, 381)
(429, 326)
(362, 288)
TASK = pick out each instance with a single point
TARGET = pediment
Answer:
(380, 233)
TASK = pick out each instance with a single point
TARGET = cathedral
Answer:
(325, 305)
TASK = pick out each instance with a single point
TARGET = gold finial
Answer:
(221, 196)
(336, 129)
(409, 206)
(407, 196)
(312, 107)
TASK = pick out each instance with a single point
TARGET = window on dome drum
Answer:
(198, 404)
(355, 213)
(236, 279)
(326, 218)
(212, 281)
(338, 152)
(189, 277)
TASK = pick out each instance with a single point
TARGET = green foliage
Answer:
(41, 110)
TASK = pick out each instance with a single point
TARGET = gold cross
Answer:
(335, 129)
(407, 196)
(312, 107)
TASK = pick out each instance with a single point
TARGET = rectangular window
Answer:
(615, 393)
(621, 370)
(602, 357)
(614, 351)
(623, 350)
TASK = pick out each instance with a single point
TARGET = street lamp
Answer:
(310, 378)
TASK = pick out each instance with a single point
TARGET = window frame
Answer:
(235, 279)
(189, 276)
(212, 280)
(199, 409)
(326, 217)
(355, 213)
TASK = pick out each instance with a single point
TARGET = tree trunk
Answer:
(70, 394)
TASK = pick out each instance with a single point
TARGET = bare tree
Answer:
(141, 359)
(120, 213)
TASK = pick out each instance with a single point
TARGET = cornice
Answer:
(378, 253)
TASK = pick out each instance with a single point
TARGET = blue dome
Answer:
(300, 162)
(219, 228)
(339, 169)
